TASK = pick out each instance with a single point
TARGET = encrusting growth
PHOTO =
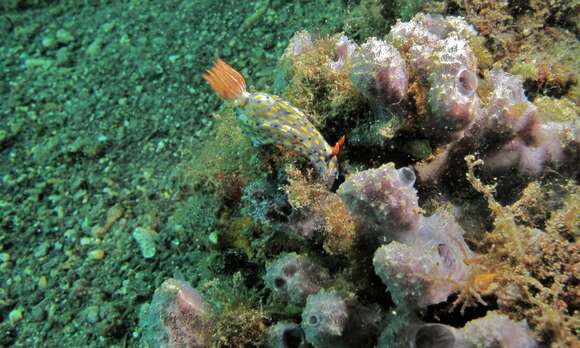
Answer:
(269, 119)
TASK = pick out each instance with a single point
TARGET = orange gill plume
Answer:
(225, 81)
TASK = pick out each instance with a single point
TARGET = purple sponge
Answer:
(294, 277)
(177, 317)
(384, 203)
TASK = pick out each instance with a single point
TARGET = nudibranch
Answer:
(269, 119)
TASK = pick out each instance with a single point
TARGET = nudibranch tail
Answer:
(225, 81)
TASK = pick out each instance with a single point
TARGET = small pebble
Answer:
(98, 231)
(63, 56)
(49, 42)
(92, 314)
(4, 257)
(41, 250)
(97, 254)
(146, 239)
(16, 315)
(64, 37)
(87, 241)
(42, 282)
(38, 313)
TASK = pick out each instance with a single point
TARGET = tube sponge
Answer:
(493, 330)
(419, 38)
(497, 330)
(379, 73)
(300, 43)
(452, 96)
(529, 160)
(294, 277)
(531, 145)
(177, 317)
(286, 335)
(384, 202)
(330, 321)
(509, 110)
(344, 50)
(416, 334)
(428, 270)
(324, 320)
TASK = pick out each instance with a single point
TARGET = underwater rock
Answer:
(177, 317)
(384, 203)
(429, 269)
(426, 76)
(329, 321)
(286, 335)
(379, 73)
(295, 277)
(146, 238)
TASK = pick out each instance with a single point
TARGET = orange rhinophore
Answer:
(336, 148)
(225, 81)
